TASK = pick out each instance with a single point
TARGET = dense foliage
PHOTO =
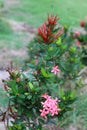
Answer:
(47, 89)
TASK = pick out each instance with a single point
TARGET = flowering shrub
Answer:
(79, 38)
(45, 92)
(56, 62)
(26, 105)
(59, 54)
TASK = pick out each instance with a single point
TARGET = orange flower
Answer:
(47, 32)
(44, 32)
(52, 20)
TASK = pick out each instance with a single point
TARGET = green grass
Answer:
(3, 98)
(77, 117)
(13, 40)
(35, 11)
(10, 39)
(4, 27)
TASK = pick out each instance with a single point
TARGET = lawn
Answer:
(35, 11)
(78, 116)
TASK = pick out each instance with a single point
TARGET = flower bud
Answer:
(82, 23)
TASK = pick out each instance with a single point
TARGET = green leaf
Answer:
(58, 42)
(13, 86)
(21, 96)
(29, 97)
(44, 73)
(12, 98)
(61, 93)
(72, 95)
(30, 65)
(31, 86)
(15, 89)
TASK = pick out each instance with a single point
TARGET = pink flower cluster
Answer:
(55, 70)
(49, 106)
